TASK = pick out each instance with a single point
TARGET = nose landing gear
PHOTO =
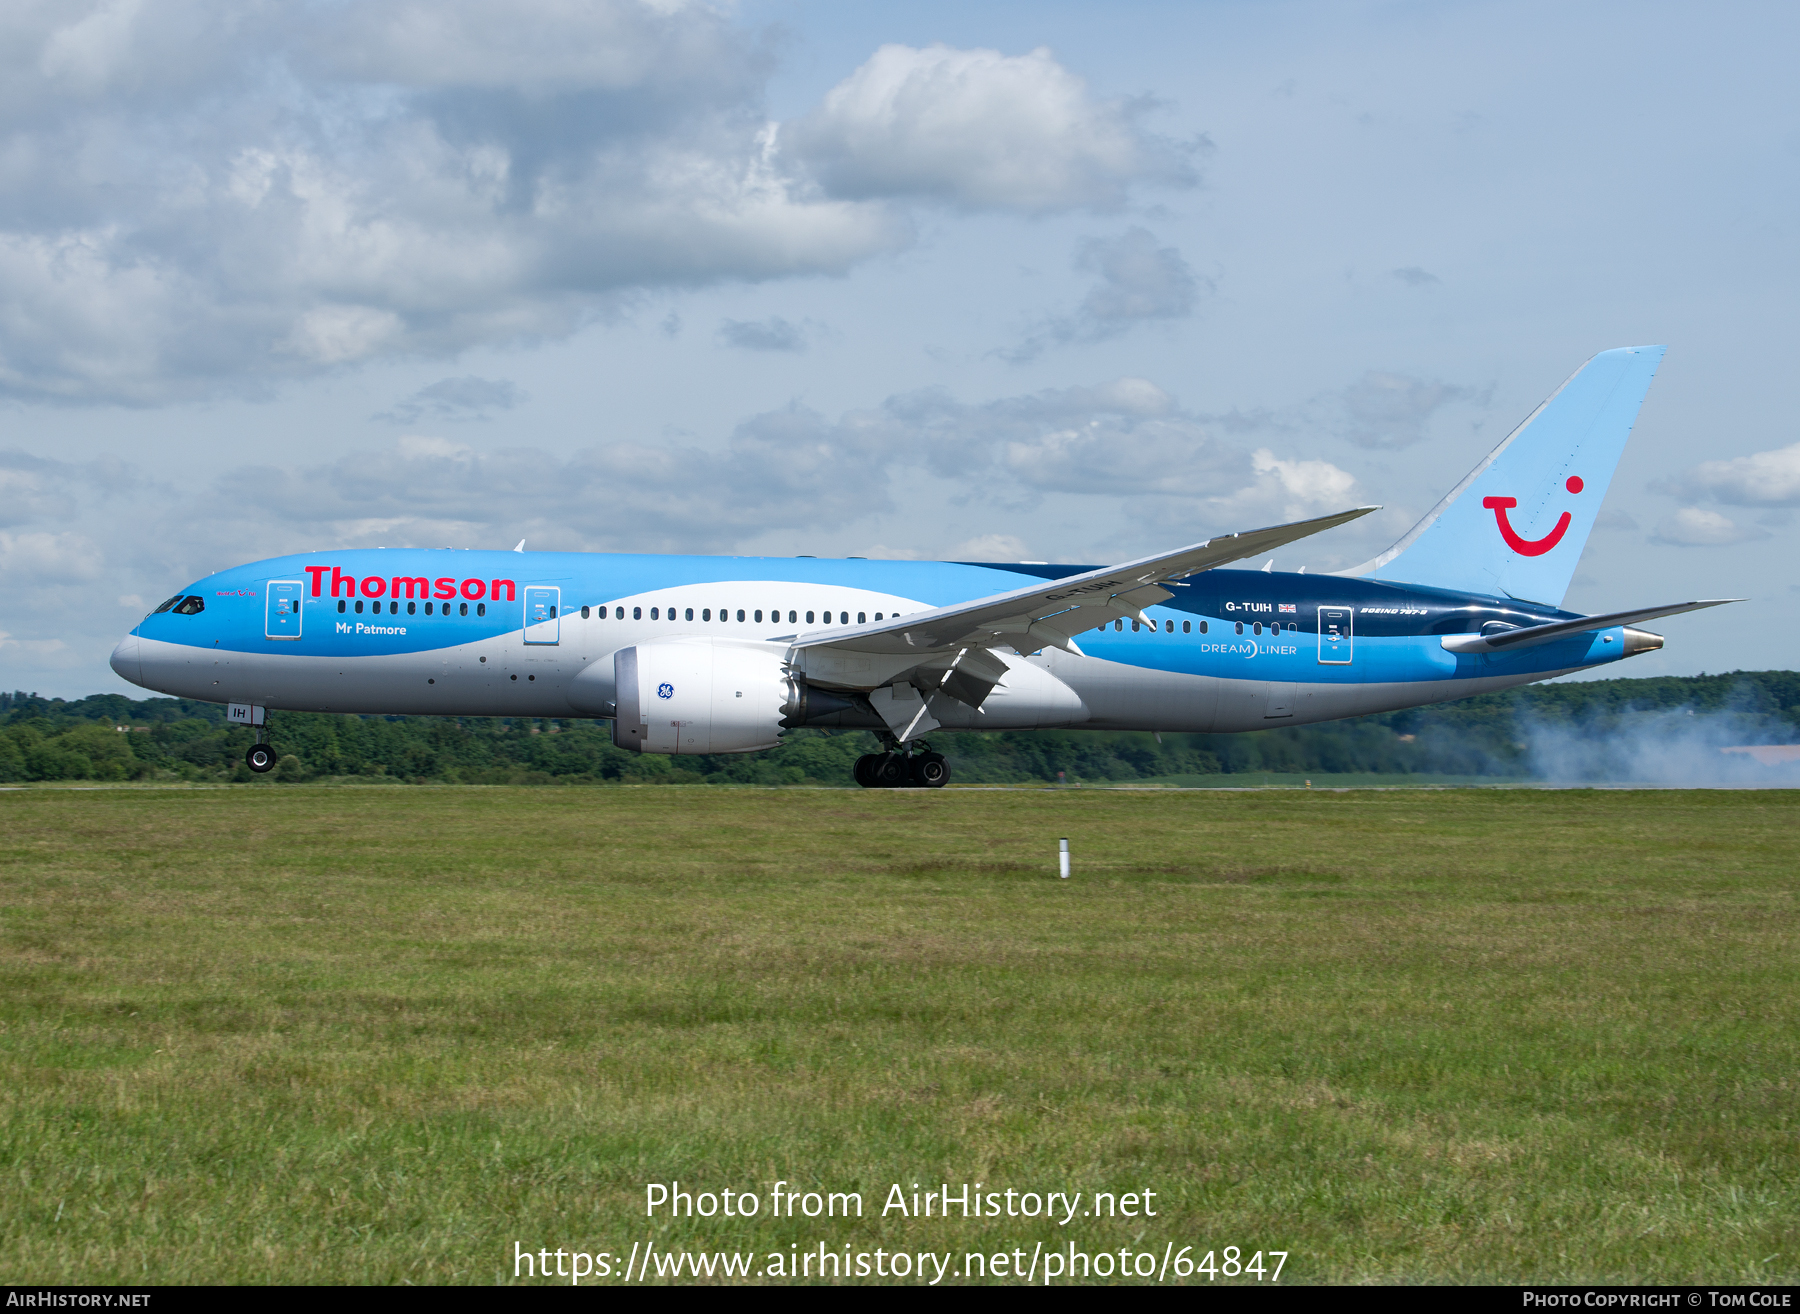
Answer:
(901, 768)
(260, 757)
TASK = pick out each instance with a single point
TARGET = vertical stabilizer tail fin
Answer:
(1516, 524)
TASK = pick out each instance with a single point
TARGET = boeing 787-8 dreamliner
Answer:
(723, 654)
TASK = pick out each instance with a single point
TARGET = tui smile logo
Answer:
(1530, 547)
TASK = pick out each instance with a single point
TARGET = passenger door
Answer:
(281, 609)
(1336, 635)
(543, 625)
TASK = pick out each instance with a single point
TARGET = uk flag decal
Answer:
(1286, 606)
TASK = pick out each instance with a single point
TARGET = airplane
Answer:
(688, 654)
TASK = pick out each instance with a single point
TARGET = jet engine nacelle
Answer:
(699, 696)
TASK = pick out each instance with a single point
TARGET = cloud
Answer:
(773, 334)
(465, 398)
(201, 197)
(1139, 282)
(1697, 527)
(1413, 276)
(988, 547)
(50, 558)
(981, 130)
(1305, 486)
(1179, 472)
(39, 648)
(1393, 410)
(790, 464)
(1762, 479)
(1126, 439)
(1126, 435)
(33, 490)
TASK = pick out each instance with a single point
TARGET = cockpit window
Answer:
(170, 603)
(192, 605)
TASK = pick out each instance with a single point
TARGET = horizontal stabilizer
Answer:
(1530, 636)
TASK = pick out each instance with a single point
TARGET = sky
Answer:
(997, 281)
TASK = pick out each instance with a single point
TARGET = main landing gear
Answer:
(260, 758)
(900, 768)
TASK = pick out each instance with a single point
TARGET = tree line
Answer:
(110, 737)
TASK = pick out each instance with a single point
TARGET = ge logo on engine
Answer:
(665, 691)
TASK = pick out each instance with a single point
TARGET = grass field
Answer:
(320, 1035)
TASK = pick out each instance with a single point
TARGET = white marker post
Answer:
(1062, 859)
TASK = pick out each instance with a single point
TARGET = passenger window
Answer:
(1256, 628)
(690, 614)
(412, 608)
(809, 619)
(340, 606)
(862, 618)
(463, 610)
(637, 613)
(393, 609)
(877, 615)
(741, 616)
(1118, 626)
(1187, 627)
(843, 618)
(428, 609)
(359, 606)
(759, 616)
(705, 614)
(1171, 627)
(584, 613)
(619, 613)
(1136, 626)
(655, 614)
(1203, 627)
(481, 609)
(791, 617)
(1240, 627)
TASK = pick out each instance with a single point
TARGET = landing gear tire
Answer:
(890, 771)
(930, 771)
(260, 758)
(864, 771)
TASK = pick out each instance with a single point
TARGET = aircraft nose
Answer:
(127, 661)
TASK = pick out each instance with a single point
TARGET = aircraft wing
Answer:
(950, 649)
(1530, 636)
